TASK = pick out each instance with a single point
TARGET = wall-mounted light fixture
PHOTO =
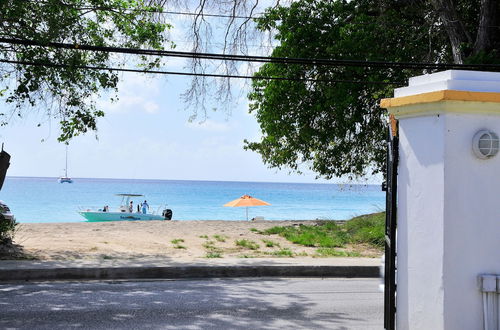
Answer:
(485, 144)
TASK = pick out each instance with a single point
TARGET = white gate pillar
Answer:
(448, 198)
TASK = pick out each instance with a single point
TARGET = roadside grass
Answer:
(220, 238)
(329, 234)
(283, 253)
(248, 244)
(246, 256)
(212, 250)
(332, 252)
(369, 228)
(211, 254)
(270, 243)
(366, 229)
(176, 242)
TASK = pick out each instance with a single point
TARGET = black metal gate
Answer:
(390, 187)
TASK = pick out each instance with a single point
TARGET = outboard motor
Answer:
(167, 214)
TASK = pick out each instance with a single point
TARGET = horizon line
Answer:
(191, 180)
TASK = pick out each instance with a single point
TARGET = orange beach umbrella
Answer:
(246, 201)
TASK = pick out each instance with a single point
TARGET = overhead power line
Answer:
(249, 58)
(260, 59)
(104, 68)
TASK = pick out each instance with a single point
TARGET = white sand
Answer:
(138, 239)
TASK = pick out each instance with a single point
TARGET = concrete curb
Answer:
(116, 273)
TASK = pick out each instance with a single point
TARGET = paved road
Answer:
(299, 303)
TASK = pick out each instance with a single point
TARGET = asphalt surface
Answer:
(237, 303)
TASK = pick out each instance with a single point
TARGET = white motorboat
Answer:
(125, 212)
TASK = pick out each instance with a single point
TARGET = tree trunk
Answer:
(454, 27)
(487, 30)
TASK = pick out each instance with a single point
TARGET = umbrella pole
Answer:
(247, 212)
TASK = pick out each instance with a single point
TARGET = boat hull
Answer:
(118, 216)
(65, 179)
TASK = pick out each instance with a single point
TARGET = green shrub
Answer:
(7, 230)
(210, 247)
(212, 254)
(283, 253)
(220, 238)
(248, 244)
(328, 234)
(177, 241)
(368, 229)
(331, 252)
(270, 243)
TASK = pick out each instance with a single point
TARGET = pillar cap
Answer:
(447, 91)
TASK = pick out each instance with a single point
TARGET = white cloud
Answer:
(209, 125)
(135, 94)
(151, 107)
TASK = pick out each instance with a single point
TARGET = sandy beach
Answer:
(153, 239)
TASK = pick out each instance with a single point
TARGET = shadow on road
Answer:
(185, 304)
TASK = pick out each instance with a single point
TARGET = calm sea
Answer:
(46, 200)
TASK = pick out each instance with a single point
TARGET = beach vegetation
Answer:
(210, 247)
(270, 243)
(283, 253)
(332, 252)
(326, 235)
(369, 228)
(220, 238)
(255, 230)
(247, 244)
(212, 254)
(366, 229)
(208, 244)
(177, 244)
(246, 256)
(204, 236)
(7, 230)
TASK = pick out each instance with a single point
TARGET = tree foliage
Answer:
(337, 128)
(59, 84)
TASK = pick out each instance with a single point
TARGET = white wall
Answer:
(448, 221)
(420, 223)
(472, 219)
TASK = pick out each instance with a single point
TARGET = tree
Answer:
(337, 128)
(56, 80)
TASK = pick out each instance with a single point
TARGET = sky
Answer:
(147, 135)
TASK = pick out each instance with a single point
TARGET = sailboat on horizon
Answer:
(66, 178)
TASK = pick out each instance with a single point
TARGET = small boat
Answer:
(66, 178)
(124, 213)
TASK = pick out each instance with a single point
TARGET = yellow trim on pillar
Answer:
(444, 95)
(441, 102)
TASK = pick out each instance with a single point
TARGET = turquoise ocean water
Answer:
(46, 200)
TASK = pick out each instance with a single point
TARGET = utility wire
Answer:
(261, 59)
(104, 68)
